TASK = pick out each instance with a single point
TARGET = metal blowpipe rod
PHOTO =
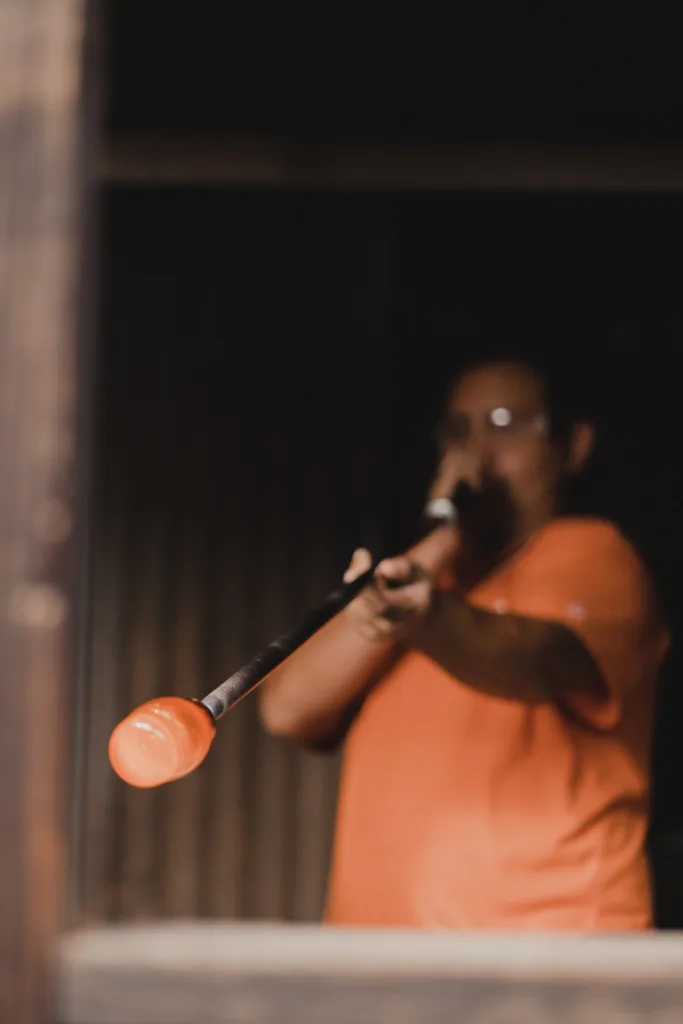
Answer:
(167, 738)
(441, 511)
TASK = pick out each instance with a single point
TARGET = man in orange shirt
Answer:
(496, 686)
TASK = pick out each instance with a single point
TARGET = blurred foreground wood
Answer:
(40, 65)
(208, 973)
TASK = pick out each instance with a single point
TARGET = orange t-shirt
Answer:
(461, 810)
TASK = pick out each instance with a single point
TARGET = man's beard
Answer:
(488, 520)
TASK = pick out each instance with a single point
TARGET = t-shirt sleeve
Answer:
(587, 577)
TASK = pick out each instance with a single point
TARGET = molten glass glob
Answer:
(160, 741)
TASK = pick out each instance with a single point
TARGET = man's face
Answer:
(495, 442)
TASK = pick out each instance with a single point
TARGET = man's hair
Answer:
(570, 380)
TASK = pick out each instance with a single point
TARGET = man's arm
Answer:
(313, 696)
(507, 656)
(585, 629)
(310, 697)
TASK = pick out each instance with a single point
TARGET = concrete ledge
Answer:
(212, 973)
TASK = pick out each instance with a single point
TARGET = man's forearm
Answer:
(308, 697)
(505, 656)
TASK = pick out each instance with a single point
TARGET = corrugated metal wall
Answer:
(243, 424)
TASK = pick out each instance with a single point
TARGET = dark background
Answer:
(269, 364)
(543, 70)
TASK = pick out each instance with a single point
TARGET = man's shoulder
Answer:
(584, 533)
(586, 546)
(589, 564)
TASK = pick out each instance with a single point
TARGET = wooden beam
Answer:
(40, 59)
(186, 973)
(503, 165)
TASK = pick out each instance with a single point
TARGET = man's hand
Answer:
(455, 467)
(399, 596)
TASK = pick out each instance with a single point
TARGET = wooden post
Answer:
(40, 69)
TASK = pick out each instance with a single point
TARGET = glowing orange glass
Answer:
(160, 741)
